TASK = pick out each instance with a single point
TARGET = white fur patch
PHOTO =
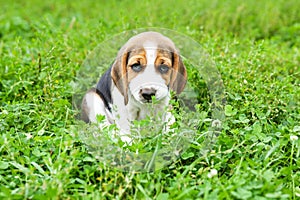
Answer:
(151, 52)
(95, 106)
(119, 111)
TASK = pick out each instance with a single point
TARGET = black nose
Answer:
(147, 93)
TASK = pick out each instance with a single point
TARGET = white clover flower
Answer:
(28, 136)
(212, 173)
(5, 112)
(293, 137)
(216, 123)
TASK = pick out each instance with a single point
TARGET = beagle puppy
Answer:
(146, 68)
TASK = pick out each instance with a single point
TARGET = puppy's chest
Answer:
(137, 111)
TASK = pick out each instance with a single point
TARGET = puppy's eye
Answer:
(136, 67)
(163, 69)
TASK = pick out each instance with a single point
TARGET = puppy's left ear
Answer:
(179, 76)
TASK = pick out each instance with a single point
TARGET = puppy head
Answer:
(147, 66)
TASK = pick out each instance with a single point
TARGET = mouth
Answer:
(148, 101)
(155, 100)
(150, 93)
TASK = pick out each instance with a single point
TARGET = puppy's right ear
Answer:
(179, 75)
(119, 74)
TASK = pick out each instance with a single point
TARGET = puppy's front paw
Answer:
(127, 140)
(170, 120)
(125, 137)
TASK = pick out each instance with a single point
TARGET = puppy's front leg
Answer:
(169, 120)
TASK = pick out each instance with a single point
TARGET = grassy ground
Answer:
(255, 45)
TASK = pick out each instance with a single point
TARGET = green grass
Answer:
(255, 46)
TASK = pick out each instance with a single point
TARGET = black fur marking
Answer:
(103, 88)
